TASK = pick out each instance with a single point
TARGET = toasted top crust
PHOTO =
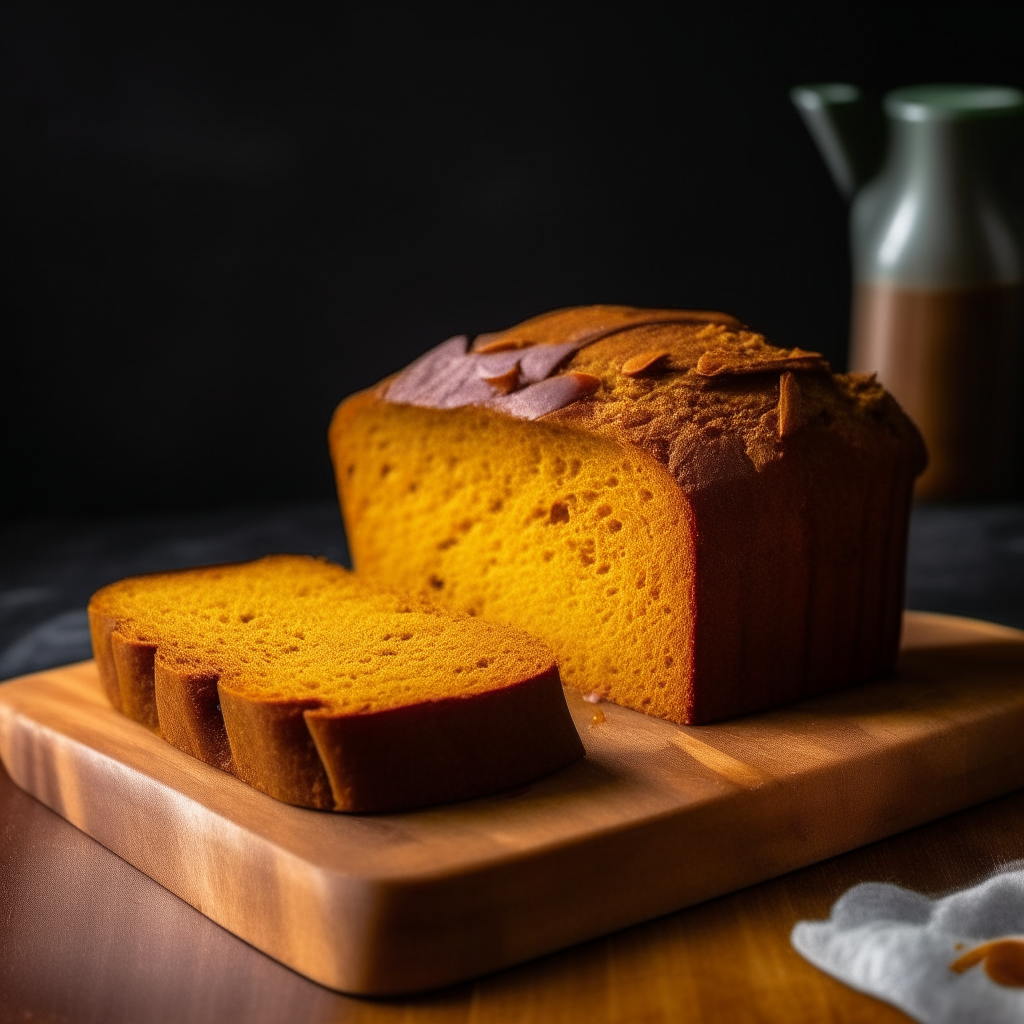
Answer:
(291, 627)
(702, 394)
(581, 325)
(721, 402)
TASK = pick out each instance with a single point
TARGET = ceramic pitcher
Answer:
(938, 266)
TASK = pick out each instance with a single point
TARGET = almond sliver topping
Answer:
(636, 365)
(498, 342)
(727, 361)
(505, 383)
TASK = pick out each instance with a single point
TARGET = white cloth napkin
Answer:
(898, 945)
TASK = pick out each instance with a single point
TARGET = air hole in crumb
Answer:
(482, 663)
(603, 510)
(669, 661)
(559, 513)
(436, 582)
(603, 568)
(247, 616)
(614, 525)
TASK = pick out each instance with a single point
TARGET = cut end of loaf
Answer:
(572, 537)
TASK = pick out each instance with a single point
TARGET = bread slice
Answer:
(699, 523)
(324, 692)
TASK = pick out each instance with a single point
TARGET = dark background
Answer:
(218, 222)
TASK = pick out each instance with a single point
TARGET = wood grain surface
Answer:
(86, 938)
(657, 817)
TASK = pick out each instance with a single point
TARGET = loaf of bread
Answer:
(699, 523)
(325, 692)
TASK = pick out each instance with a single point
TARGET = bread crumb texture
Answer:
(703, 533)
(288, 627)
(539, 525)
(302, 636)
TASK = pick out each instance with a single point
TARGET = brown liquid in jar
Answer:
(952, 357)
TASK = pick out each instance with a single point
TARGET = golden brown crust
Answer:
(582, 325)
(707, 427)
(189, 713)
(429, 744)
(461, 748)
(133, 661)
(272, 750)
(101, 630)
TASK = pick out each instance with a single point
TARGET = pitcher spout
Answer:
(847, 131)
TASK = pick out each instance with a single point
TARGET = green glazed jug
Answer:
(938, 264)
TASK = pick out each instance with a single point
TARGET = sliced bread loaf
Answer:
(699, 523)
(325, 692)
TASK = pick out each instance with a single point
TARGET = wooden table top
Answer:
(86, 937)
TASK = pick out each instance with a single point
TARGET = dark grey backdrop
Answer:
(218, 220)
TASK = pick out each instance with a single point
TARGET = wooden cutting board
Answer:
(656, 817)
